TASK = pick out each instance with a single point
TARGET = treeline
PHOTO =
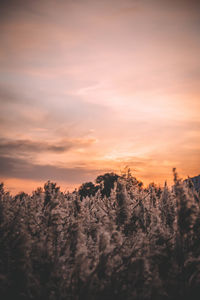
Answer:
(119, 242)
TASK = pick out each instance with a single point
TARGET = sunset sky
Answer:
(90, 86)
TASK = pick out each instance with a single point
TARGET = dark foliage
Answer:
(87, 189)
(112, 240)
(106, 183)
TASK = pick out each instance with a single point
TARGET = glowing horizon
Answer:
(88, 87)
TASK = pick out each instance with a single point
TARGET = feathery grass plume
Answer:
(133, 243)
(122, 201)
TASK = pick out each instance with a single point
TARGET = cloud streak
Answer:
(22, 169)
(8, 147)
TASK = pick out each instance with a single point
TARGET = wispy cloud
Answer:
(22, 169)
(22, 147)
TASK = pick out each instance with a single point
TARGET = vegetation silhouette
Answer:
(113, 239)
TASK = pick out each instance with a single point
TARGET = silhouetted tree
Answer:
(87, 189)
(106, 183)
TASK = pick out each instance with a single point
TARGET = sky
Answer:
(90, 86)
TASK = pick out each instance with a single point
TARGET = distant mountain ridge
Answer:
(196, 181)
